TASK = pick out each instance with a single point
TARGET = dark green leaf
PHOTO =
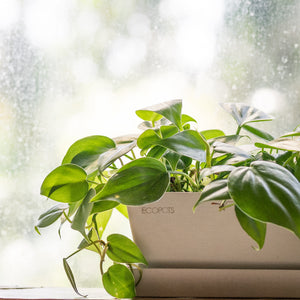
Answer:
(255, 229)
(71, 277)
(212, 133)
(156, 152)
(118, 281)
(184, 162)
(267, 192)
(243, 113)
(297, 169)
(281, 144)
(167, 131)
(50, 216)
(103, 206)
(123, 250)
(84, 210)
(214, 191)
(260, 133)
(171, 110)
(87, 150)
(67, 183)
(139, 182)
(172, 158)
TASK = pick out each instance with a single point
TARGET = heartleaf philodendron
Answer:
(100, 176)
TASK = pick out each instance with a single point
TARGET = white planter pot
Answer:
(207, 254)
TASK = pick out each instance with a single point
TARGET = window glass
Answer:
(74, 68)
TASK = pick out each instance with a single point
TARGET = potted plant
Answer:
(260, 181)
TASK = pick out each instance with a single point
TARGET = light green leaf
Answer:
(260, 133)
(103, 206)
(281, 144)
(139, 182)
(50, 216)
(123, 210)
(83, 212)
(267, 192)
(156, 152)
(243, 113)
(255, 229)
(171, 110)
(87, 150)
(291, 134)
(66, 183)
(216, 190)
(118, 281)
(186, 119)
(212, 133)
(167, 131)
(123, 250)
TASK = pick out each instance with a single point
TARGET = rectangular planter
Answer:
(209, 249)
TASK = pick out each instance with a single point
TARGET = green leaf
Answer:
(186, 119)
(103, 206)
(255, 229)
(156, 152)
(171, 110)
(147, 139)
(260, 133)
(281, 144)
(291, 134)
(216, 190)
(297, 169)
(172, 158)
(83, 212)
(123, 210)
(139, 182)
(66, 183)
(87, 150)
(50, 216)
(107, 158)
(215, 170)
(212, 133)
(118, 281)
(228, 139)
(123, 250)
(243, 113)
(267, 192)
(71, 277)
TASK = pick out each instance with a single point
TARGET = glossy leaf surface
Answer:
(212, 133)
(267, 192)
(66, 183)
(139, 182)
(215, 170)
(171, 110)
(87, 150)
(122, 249)
(255, 229)
(118, 281)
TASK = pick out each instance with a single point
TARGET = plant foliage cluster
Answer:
(98, 174)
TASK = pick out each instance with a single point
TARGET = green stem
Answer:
(193, 184)
(238, 130)
(93, 182)
(133, 154)
(207, 151)
(102, 258)
(67, 218)
(90, 244)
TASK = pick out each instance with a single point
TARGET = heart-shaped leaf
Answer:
(243, 113)
(171, 110)
(267, 192)
(255, 229)
(139, 182)
(87, 150)
(66, 183)
(118, 281)
(122, 249)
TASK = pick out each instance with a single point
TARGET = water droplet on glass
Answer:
(284, 59)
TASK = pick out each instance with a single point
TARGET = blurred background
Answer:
(74, 68)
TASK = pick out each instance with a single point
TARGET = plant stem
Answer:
(67, 218)
(193, 184)
(102, 258)
(238, 130)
